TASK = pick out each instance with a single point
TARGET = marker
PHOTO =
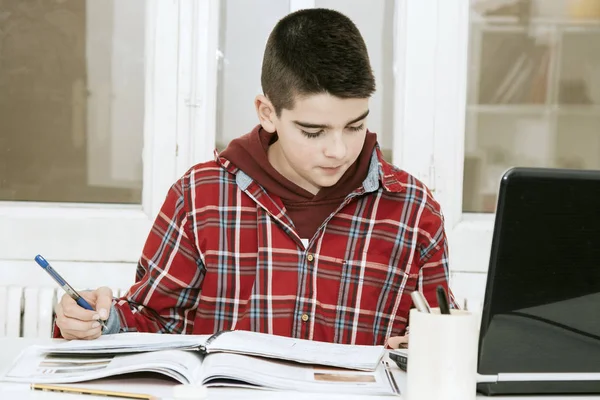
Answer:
(66, 287)
(442, 300)
(420, 301)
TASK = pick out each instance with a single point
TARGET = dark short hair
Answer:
(315, 51)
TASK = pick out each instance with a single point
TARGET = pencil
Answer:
(97, 392)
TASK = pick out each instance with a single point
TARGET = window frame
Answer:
(435, 62)
(177, 105)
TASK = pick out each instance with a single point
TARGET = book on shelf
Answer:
(514, 73)
(228, 358)
(526, 81)
(514, 64)
(503, 8)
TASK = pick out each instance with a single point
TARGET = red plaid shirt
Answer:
(223, 254)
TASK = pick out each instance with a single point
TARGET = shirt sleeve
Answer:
(169, 276)
(433, 256)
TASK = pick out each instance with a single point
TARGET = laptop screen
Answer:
(542, 304)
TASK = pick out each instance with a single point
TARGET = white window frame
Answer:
(178, 111)
(431, 127)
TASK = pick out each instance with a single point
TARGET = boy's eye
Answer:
(311, 135)
(316, 134)
(356, 128)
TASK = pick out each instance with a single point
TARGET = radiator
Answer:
(27, 311)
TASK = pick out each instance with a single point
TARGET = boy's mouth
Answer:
(332, 170)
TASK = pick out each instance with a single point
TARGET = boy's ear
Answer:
(266, 113)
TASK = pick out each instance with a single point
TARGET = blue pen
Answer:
(63, 284)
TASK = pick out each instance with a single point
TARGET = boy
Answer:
(299, 228)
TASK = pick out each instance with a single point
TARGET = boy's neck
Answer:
(278, 162)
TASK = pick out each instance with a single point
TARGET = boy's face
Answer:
(319, 139)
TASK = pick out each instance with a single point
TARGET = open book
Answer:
(231, 358)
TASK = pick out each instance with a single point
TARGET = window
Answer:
(92, 104)
(533, 92)
(72, 101)
(479, 113)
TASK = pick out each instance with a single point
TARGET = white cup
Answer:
(442, 356)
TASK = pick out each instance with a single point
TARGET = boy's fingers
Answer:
(396, 342)
(75, 322)
(74, 325)
(104, 298)
(73, 310)
(89, 296)
(72, 328)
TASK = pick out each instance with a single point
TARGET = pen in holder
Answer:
(442, 362)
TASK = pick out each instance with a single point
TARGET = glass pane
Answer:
(533, 91)
(71, 100)
(241, 62)
(375, 20)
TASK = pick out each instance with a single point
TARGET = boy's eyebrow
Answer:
(327, 126)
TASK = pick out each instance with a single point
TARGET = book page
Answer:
(127, 343)
(224, 369)
(33, 366)
(299, 350)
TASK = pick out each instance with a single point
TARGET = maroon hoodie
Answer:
(307, 211)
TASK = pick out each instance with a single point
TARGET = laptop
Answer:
(540, 327)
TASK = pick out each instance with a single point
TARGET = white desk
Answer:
(10, 348)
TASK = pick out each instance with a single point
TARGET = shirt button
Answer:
(304, 317)
(310, 257)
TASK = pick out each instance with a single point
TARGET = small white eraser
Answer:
(190, 392)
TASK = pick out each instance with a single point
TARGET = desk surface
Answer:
(10, 348)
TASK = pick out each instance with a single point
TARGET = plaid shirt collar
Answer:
(380, 173)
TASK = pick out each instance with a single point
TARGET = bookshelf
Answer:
(533, 97)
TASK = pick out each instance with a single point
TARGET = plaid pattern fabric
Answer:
(223, 254)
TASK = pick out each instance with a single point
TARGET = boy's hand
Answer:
(76, 322)
(398, 342)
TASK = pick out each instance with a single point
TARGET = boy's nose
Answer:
(336, 148)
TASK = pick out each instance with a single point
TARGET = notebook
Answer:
(540, 328)
(227, 358)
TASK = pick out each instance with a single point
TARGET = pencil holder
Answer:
(442, 355)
